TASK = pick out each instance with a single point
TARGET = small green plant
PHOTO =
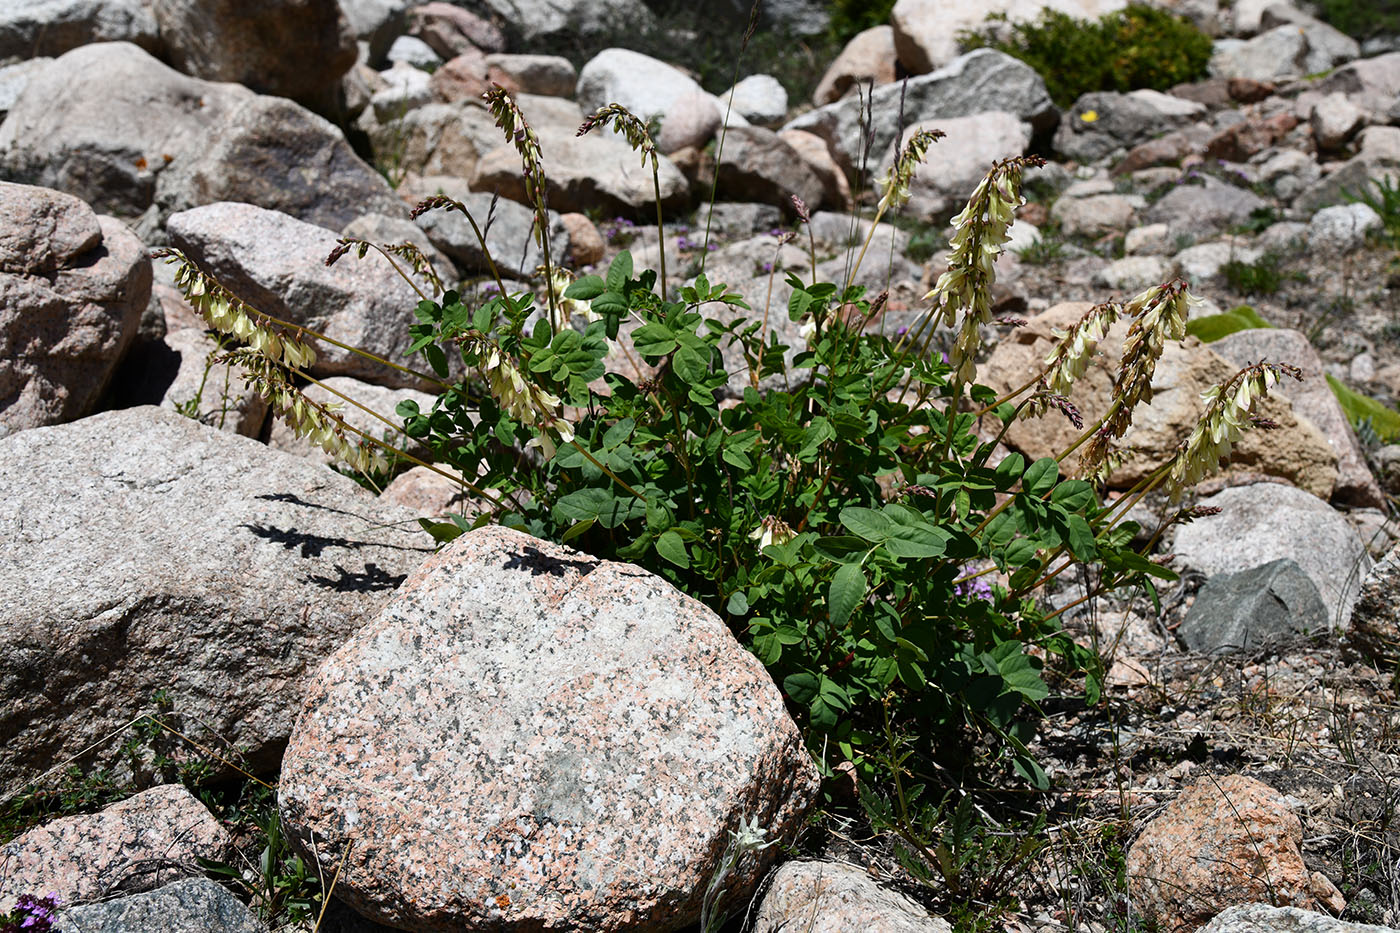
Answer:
(1382, 195)
(1138, 47)
(1213, 327)
(275, 880)
(1263, 276)
(1046, 249)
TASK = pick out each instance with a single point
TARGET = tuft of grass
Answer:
(1043, 251)
(1382, 195)
(1213, 327)
(1261, 277)
(1382, 419)
(1137, 47)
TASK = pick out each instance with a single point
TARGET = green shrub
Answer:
(1361, 19)
(1138, 47)
(833, 501)
(1383, 420)
(849, 17)
(1213, 327)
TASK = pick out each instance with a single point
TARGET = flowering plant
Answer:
(838, 503)
(30, 915)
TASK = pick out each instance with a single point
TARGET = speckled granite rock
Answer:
(72, 288)
(145, 551)
(829, 897)
(1261, 918)
(1375, 620)
(1222, 842)
(1264, 522)
(528, 738)
(135, 845)
(195, 905)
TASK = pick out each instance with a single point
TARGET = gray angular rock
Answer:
(13, 79)
(530, 21)
(405, 88)
(759, 99)
(1206, 261)
(31, 28)
(1254, 608)
(956, 163)
(128, 134)
(1104, 121)
(296, 50)
(195, 905)
(1283, 51)
(1257, 918)
(652, 90)
(134, 845)
(1264, 522)
(377, 23)
(831, 897)
(73, 287)
(1375, 620)
(530, 738)
(412, 51)
(593, 172)
(1095, 214)
(1200, 210)
(1313, 399)
(1370, 83)
(1132, 274)
(979, 81)
(436, 139)
(451, 31)
(277, 264)
(546, 75)
(509, 238)
(145, 551)
(734, 220)
(757, 165)
(1342, 228)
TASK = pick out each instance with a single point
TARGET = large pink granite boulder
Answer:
(529, 738)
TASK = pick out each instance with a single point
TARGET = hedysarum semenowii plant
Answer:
(835, 511)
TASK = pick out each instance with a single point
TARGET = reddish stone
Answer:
(1223, 842)
(461, 78)
(1249, 91)
(1243, 140)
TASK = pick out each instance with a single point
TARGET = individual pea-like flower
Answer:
(980, 232)
(1229, 409)
(771, 530)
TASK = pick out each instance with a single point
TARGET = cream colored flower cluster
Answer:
(980, 232)
(523, 400)
(318, 422)
(1159, 314)
(1070, 358)
(629, 125)
(1228, 411)
(894, 184)
(230, 316)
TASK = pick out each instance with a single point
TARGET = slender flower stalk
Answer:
(634, 130)
(512, 122)
(442, 202)
(408, 252)
(894, 186)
